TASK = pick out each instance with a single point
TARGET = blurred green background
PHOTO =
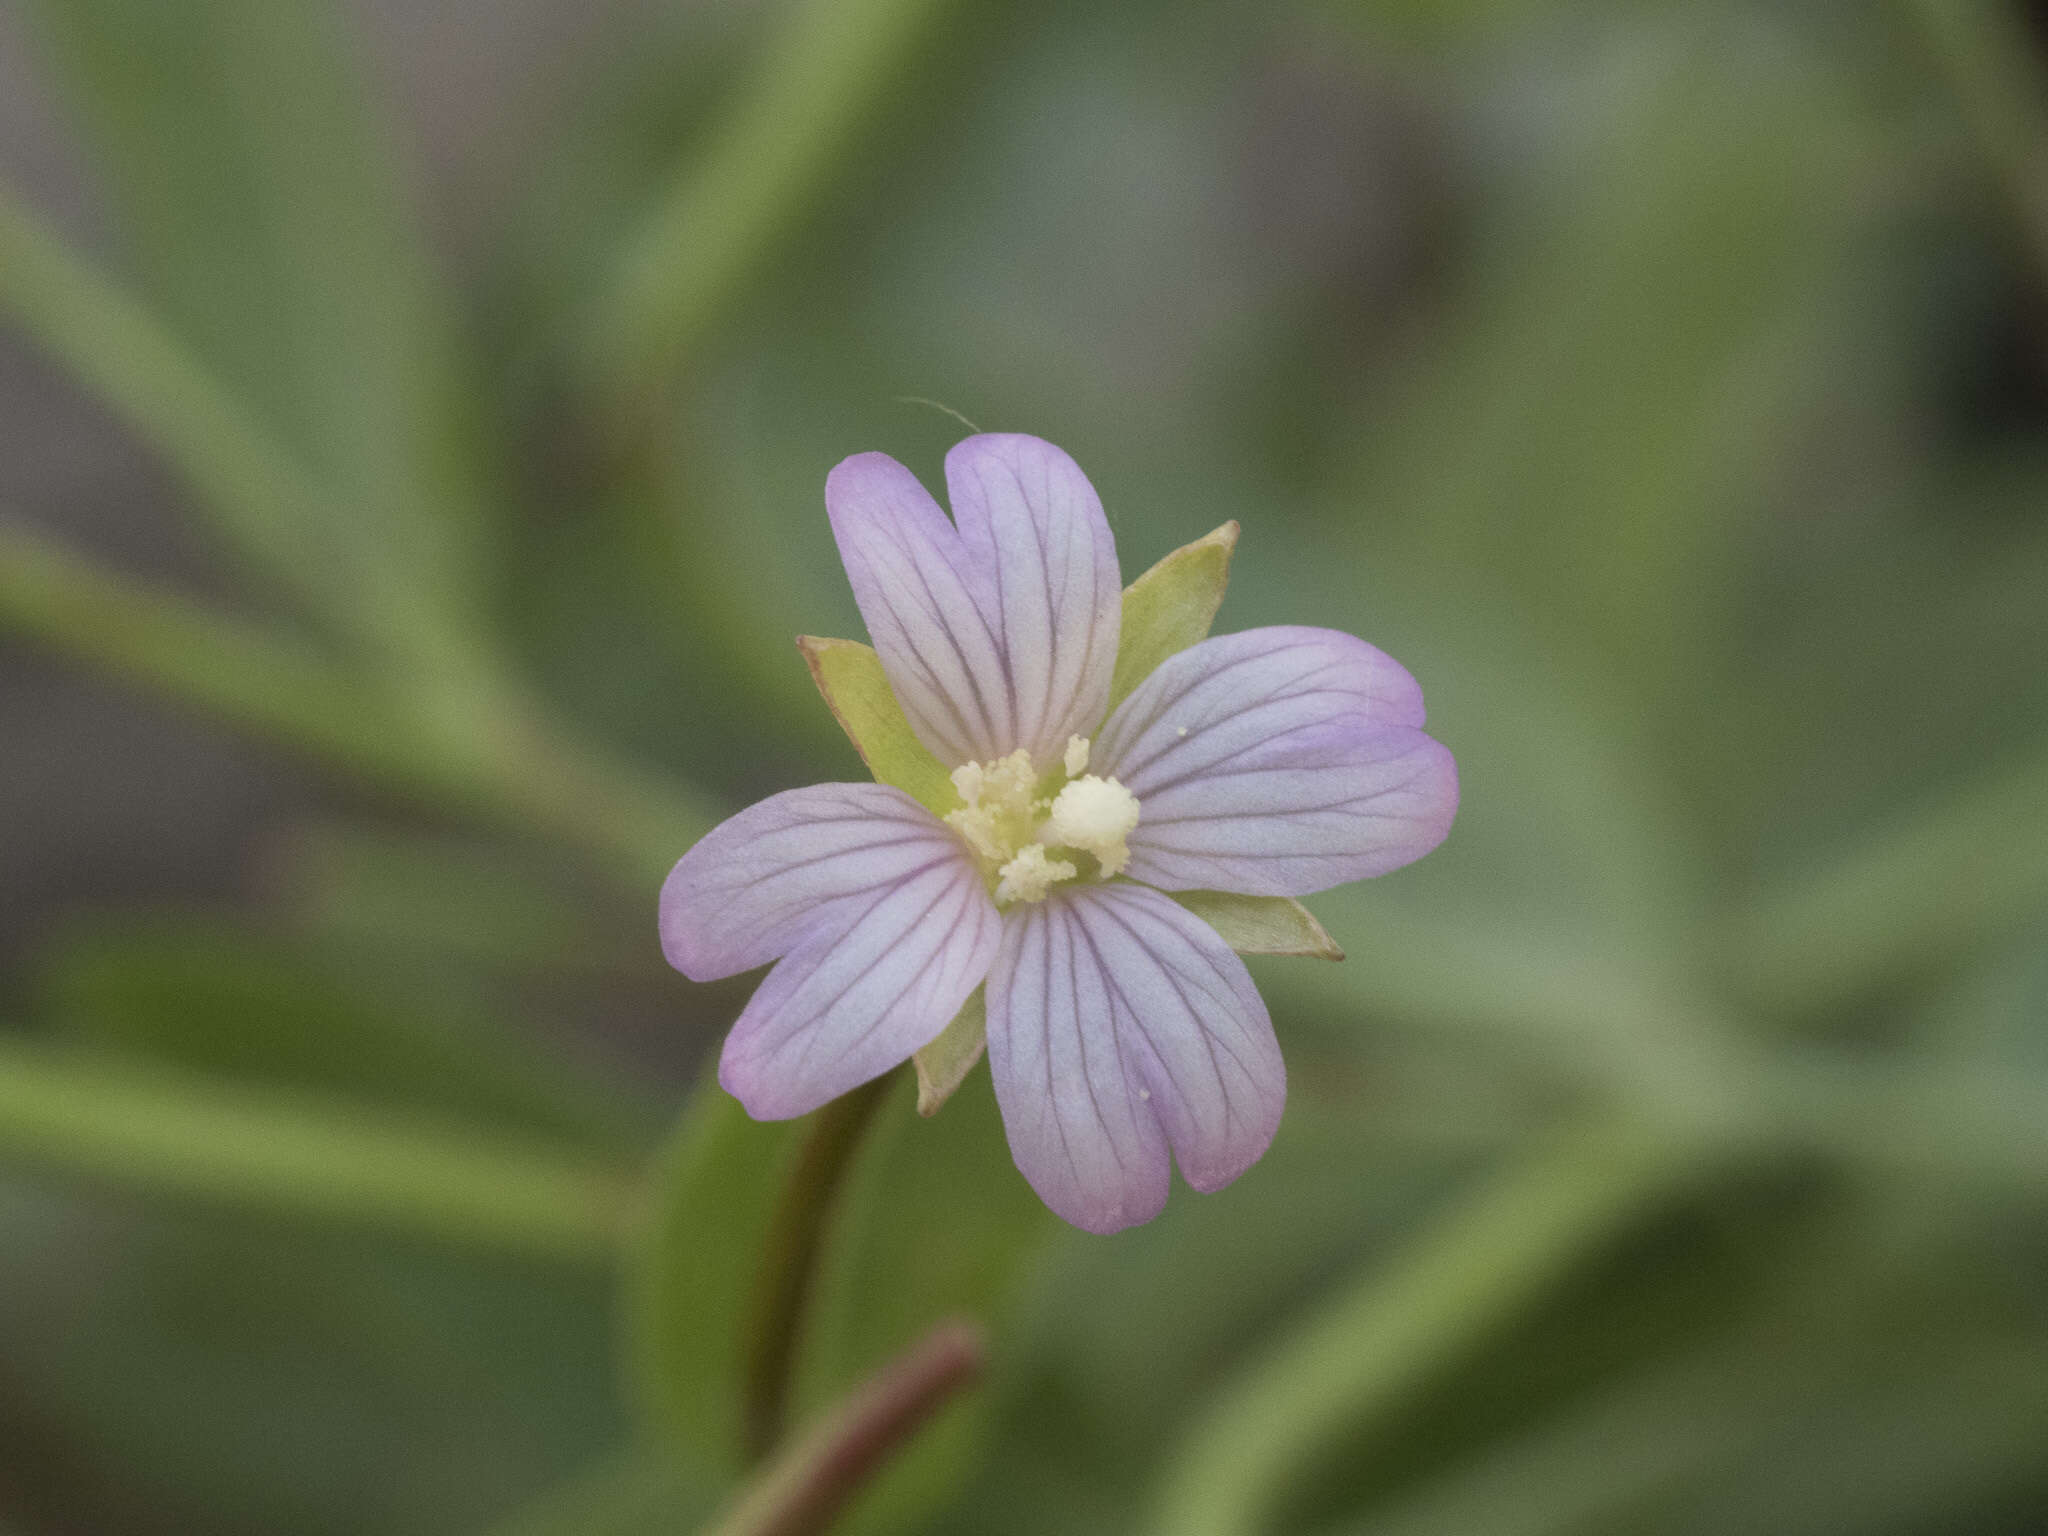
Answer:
(415, 419)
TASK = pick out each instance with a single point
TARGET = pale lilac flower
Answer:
(1122, 1031)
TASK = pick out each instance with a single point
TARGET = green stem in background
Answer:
(801, 1491)
(727, 205)
(265, 500)
(504, 760)
(270, 682)
(1983, 47)
(789, 1261)
(1914, 894)
(299, 1157)
(1354, 1362)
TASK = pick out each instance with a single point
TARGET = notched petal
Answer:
(997, 628)
(1119, 1027)
(931, 609)
(1030, 519)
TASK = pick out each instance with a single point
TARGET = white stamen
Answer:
(1077, 756)
(1030, 875)
(998, 810)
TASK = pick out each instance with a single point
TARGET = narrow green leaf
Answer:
(693, 1280)
(1262, 925)
(493, 906)
(306, 1158)
(850, 677)
(373, 1025)
(731, 199)
(943, 1065)
(1982, 48)
(1171, 607)
(1940, 878)
(1350, 1361)
(259, 495)
(272, 682)
(262, 203)
(503, 758)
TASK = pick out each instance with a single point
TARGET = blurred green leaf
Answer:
(269, 680)
(732, 198)
(504, 910)
(1961, 870)
(214, 998)
(1896, 1457)
(261, 201)
(498, 755)
(690, 1285)
(1820, 1340)
(645, 1491)
(298, 1156)
(261, 494)
(1632, 348)
(1361, 1350)
(1984, 49)
(250, 1377)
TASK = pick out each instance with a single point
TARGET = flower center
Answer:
(1032, 834)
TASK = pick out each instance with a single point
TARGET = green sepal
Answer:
(943, 1065)
(1171, 607)
(850, 677)
(1262, 925)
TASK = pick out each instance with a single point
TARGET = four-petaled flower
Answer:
(1272, 763)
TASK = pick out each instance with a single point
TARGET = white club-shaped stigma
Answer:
(1094, 815)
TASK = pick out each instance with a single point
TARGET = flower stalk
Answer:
(789, 1262)
(803, 1490)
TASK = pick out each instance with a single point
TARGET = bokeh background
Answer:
(413, 420)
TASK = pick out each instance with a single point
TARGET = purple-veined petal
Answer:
(1119, 1024)
(1028, 514)
(1277, 762)
(930, 609)
(873, 981)
(753, 885)
(996, 634)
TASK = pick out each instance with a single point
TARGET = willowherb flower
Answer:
(1122, 1029)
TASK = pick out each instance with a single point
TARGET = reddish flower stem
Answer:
(801, 1491)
